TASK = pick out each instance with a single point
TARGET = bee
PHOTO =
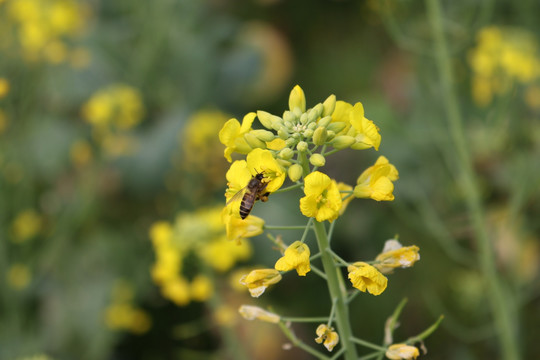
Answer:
(253, 191)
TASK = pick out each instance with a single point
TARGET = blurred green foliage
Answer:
(78, 194)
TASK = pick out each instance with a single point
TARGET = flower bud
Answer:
(249, 312)
(303, 118)
(267, 119)
(329, 105)
(286, 154)
(318, 110)
(253, 141)
(337, 126)
(312, 125)
(263, 135)
(283, 133)
(289, 118)
(320, 135)
(297, 112)
(297, 99)
(303, 146)
(295, 172)
(343, 141)
(325, 121)
(290, 142)
(331, 135)
(284, 163)
(308, 133)
(317, 160)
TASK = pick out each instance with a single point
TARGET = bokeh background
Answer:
(109, 115)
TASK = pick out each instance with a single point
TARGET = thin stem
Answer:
(352, 296)
(331, 230)
(391, 323)
(371, 356)
(332, 312)
(297, 342)
(319, 272)
(337, 257)
(284, 227)
(288, 188)
(306, 319)
(308, 226)
(368, 344)
(424, 334)
(335, 289)
(503, 314)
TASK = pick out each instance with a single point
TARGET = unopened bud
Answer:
(320, 135)
(289, 118)
(290, 142)
(295, 172)
(329, 105)
(303, 118)
(331, 135)
(343, 141)
(286, 154)
(303, 146)
(325, 121)
(253, 141)
(283, 163)
(297, 99)
(263, 135)
(283, 133)
(317, 160)
(337, 126)
(308, 133)
(268, 120)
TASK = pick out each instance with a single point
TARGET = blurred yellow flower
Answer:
(125, 316)
(376, 181)
(365, 277)
(201, 288)
(232, 136)
(402, 352)
(223, 254)
(396, 255)
(328, 335)
(18, 276)
(3, 121)
(249, 312)
(225, 316)
(80, 153)
(323, 199)
(177, 290)
(258, 280)
(26, 225)
(296, 257)
(4, 87)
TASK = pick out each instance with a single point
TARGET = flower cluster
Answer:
(503, 57)
(112, 112)
(199, 234)
(296, 144)
(43, 26)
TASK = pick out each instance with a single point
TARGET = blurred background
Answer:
(109, 115)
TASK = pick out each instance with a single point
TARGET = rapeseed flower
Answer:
(327, 335)
(296, 257)
(26, 225)
(376, 181)
(258, 280)
(366, 277)
(402, 352)
(249, 312)
(323, 199)
(232, 136)
(395, 255)
(18, 276)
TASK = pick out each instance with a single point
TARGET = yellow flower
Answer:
(177, 291)
(80, 153)
(4, 87)
(366, 134)
(258, 280)
(201, 288)
(296, 257)
(18, 276)
(249, 312)
(262, 161)
(124, 316)
(395, 255)
(222, 254)
(365, 277)
(402, 352)
(238, 229)
(323, 199)
(26, 225)
(342, 114)
(328, 335)
(376, 181)
(232, 136)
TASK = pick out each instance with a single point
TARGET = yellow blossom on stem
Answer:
(232, 135)
(262, 161)
(177, 290)
(328, 335)
(367, 134)
(396, 255)
(26, 225)
(201, 288)
(323, 199)
(221, 254)
(346, 198)
(258, 280)
(238, 229)
(402, 352)
(296, 257)
(366, 277)
(249, 312)
(376, 181)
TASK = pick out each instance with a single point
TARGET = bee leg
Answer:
(263, 197)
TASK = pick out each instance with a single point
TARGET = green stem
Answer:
(284, 227)
(424, 334)
(368, 344)
(504, 315)
(297, 342)
(320, 319)
(334, 286)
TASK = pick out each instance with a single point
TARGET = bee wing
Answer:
(238, 196)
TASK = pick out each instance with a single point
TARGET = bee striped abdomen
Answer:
(247, 204)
